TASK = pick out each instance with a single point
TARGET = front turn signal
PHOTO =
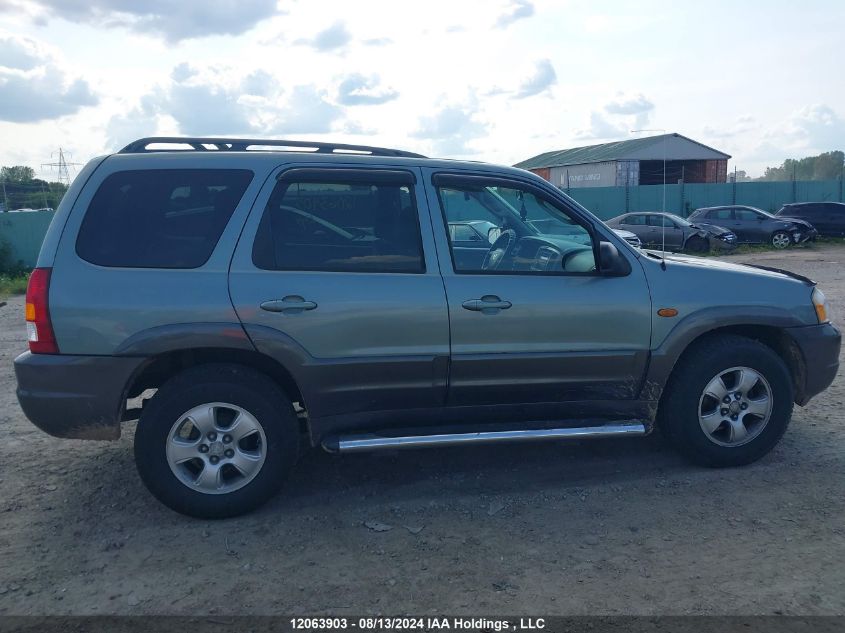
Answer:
(820, 304)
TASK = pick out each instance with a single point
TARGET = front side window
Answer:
(527, 232)
(338, 226)
(721, 214)
(162, 218)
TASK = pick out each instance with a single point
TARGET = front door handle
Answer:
(292, 304)
(488, 304)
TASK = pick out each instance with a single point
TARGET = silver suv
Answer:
(247, 299)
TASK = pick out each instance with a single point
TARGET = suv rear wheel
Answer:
(728, 402)
(216, 441)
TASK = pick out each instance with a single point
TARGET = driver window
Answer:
(525, 233)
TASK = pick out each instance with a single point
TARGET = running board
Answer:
(360, 443)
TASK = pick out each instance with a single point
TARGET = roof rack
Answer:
(214, 144)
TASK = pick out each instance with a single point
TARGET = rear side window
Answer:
(634, 220)
(331, 225)
(163, 218)
(745, 214)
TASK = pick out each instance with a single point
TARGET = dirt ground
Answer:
(611, 527)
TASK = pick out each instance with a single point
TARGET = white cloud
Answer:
(358, 89)
(172, 21)
(815, 127)
(332, 38)
(629, 105)
(602, 128)
(216, 101)
(617, 117)
(450, 130)
(307, 111)
(139, 122)
(20, 53)
(516, 10)
(543, 78)
(33, 86)
(738, 126)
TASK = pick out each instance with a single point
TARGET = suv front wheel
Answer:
(728, 401)
(216, 441)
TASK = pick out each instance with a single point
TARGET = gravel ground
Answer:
(612, 527)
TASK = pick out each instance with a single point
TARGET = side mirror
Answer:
(493, 234)
(612, 262)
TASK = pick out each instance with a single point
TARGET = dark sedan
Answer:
(679, 234)
(827, 217)
(755, 226)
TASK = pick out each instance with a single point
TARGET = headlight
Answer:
(820, 304)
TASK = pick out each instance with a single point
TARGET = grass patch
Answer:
(13, 284)
(830, 240)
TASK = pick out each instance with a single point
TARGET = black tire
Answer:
(242, 386)
(780, 240)
(678, 414)
(697, 245)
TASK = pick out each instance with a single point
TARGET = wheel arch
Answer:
(774, 337)
(161, 367)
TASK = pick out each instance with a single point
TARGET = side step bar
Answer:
(360, 443)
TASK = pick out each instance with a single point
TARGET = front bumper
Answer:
(819, 346)
(799, 237)
(79, 397)
(722, 245)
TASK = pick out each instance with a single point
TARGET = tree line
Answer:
(20, 189)
(825, 166)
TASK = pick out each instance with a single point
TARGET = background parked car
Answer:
(632, 238)
(679, 233)
(827, 217)
(753, 225)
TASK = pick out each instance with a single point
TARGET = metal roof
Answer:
(605, 152)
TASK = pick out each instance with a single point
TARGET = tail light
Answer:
(39, 330)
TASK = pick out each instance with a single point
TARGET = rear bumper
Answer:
(77, 397)
(819, 345)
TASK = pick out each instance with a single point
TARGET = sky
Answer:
(492, 80)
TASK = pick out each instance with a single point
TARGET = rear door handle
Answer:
(292, 304)
(488, 304)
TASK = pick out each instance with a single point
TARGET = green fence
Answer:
(683, 199)
(24, 232)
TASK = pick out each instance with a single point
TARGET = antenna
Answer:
(662, 217)
(61, 166)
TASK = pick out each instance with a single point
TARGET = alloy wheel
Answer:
(216, 448)
(735, 407)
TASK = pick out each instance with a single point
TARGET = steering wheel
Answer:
(499, 250)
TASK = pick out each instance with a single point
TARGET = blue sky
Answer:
(493, 80)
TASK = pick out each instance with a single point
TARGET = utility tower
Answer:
(61, 165)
